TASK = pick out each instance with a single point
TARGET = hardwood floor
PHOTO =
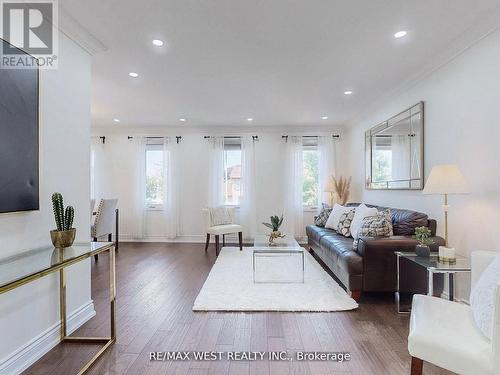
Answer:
(156, 287)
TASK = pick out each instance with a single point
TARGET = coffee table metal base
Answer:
(261, 253)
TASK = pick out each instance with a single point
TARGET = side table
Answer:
(432, 265)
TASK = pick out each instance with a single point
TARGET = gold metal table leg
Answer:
(62, 299)
(107, 341)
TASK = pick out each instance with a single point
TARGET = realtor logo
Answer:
(30, 28)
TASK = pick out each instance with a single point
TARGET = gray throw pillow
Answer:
(379, 225)
(322, 217)
(344, 227)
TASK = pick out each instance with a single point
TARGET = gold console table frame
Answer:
(61, 265)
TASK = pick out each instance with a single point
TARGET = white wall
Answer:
(462, 126)
(29, 311)
(194, 176)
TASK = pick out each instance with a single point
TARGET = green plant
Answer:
(64, 218)
(422, 235)
(275, 224)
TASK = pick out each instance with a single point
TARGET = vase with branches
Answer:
(341, 188)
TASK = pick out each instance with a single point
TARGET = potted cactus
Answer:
(275, 225)
(64, 235)
(422, 235)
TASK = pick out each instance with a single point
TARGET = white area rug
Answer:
(230, 286)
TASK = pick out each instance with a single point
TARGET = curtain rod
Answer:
(229, 137)
(311, 136)
(178, 138)
(254, 137)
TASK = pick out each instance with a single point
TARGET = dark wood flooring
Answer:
(156, 287)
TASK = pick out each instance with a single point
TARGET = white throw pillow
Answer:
(482, 297)
(362, 211)
(334, 218)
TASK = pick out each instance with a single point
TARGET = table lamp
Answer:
(330, 188)
(446, 180)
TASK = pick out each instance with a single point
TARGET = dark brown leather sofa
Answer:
(371, 267)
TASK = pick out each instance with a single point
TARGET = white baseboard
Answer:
(189, 238)
(25, 356)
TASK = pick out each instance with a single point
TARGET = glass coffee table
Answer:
(433, 266)
(279, 264)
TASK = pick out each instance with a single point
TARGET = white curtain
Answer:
(248, 210)
(215, 171)
(138, 145)
(293, 210)
(327, 166)
(400, 145)
(100, 170)
(170, 187)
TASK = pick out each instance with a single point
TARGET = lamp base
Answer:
(447, 255)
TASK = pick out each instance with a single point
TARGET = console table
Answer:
(32, 265)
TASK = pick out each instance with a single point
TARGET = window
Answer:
(382, 159)
(232, 171)
(310, 160)
(154, 175)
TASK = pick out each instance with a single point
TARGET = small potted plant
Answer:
(275, 224)
(64, 235)
(422, 235)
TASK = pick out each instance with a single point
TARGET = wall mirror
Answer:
(394, 152)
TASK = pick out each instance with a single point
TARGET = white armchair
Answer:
(444, 333)
(218, 230)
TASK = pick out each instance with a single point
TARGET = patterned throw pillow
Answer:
(322, 217)
(344, 227)
(379, 225)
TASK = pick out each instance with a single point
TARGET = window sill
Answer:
(310, 209)
(154, 207)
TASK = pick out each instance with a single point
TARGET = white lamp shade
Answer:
(446, 179)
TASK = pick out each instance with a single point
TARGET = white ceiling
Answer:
(281, 62)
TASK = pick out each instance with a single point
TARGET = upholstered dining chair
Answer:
(445, 334)
(105, 221)
(221, 225)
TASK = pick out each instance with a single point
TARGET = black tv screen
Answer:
(18, 139)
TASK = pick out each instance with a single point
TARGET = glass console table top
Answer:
(44, 260)
(432, 263)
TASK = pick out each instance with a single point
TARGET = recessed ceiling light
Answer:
(158, 42)
(324, 118)
(348, 92)
(116, 120)
(400, 34)
(182, 119)
(133, 74)
(249, 119)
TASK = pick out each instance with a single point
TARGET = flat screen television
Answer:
(19, 159)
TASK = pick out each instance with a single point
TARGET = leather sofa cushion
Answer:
(339, 248)
(404, 221)
(315, 233)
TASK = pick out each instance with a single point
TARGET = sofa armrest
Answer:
(376, 245)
